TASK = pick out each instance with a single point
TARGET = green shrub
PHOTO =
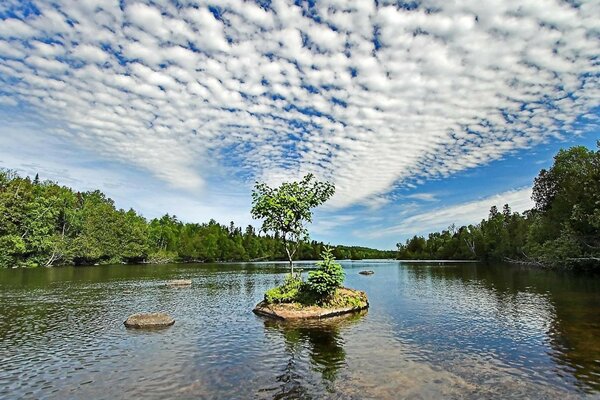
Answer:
(328, 277)
(286, 293)
(347, 298)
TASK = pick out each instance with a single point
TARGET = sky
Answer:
(422, 113)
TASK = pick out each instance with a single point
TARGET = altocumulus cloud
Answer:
(369, 95)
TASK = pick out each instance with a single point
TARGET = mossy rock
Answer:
(344, 301)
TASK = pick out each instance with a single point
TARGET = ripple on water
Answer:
(431, 332)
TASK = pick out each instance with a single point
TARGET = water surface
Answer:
(433, 330)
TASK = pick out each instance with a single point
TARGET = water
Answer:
(433, 331)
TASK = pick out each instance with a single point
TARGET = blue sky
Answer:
(422, 113)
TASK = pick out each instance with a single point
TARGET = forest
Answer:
(45, 224)
(561, 230)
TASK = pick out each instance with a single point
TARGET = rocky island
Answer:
(321, 296)
(344, 301)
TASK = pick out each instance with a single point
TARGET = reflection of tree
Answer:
(573, 324)
(324, 343)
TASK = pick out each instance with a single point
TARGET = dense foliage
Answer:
(44, 224)
(286, 209)
(328, 276)
(563, 229)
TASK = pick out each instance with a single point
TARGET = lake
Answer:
(433, 331)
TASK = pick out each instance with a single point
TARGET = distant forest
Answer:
(562, 230)
(45, 224)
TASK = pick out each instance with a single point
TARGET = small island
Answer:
(321, 296)
(286, 210)
(345, 301)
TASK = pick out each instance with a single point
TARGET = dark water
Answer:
(433, 331)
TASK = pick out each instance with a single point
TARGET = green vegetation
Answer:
(327, 277)
(288, 292)
(563, 229)
(323, 287)
(45, 224)
(286, 209)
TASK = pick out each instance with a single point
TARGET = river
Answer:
(433, 331)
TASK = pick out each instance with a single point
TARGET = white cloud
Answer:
(8, 101)
(89, 53)
(276, 93)
(422, 196)
(471, 212)
(15, 28)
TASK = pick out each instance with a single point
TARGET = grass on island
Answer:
(305, 300)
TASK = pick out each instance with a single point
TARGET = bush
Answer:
(347, 298)
(328, 277)
(286, 293)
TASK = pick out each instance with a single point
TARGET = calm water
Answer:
(451, 331)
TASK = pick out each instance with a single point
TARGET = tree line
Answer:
(562, 229)
(45, 224)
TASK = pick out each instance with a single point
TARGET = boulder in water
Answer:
(149, 320)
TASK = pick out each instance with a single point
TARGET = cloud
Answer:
(8, 101)
(422, 196)
(29, 152)
(371, 96)
(461, 214)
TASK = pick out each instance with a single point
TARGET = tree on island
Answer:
(287, 209)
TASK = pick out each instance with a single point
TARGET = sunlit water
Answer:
(433, 331)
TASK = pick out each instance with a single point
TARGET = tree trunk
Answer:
(290, 257)
(287, 245)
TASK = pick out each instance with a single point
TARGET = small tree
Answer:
(288, 208)
(328, 277)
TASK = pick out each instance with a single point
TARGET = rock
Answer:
(280, 311)
(295, 311)
(179, 282)
(366, 272)
(149, 320)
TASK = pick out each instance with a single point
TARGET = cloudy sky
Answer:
(423, 113)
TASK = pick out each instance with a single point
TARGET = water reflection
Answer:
(433, 331)
(322, 341)
(538, 313)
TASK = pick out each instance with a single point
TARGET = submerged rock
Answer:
(366, 272)
(149, 320)
(179, 282)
